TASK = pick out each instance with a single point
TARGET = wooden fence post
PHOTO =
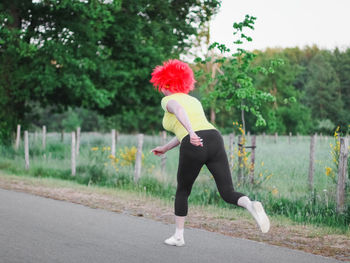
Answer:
(73, 148)
(231, 150)
(138, 161)
(78, 141)
(290, 137)
(163, 158)
(240, 159)
(26, 150)
(342, 174)
(44, 137)
(18, 137)
(62, 136)
(312, 162)
(276, 135)
(263, 139)
(113, 143)
(252, 163)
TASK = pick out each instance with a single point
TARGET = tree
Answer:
(95, 54)
(289, 114)
(145, 34)
(323, 89)
(341, 64)
(235, 86)
(53, 55)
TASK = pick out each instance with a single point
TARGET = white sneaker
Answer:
(260, 217)
(172, 241)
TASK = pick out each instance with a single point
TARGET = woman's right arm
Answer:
(163, 149)
(171, 144)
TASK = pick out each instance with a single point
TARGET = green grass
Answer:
(286, 193)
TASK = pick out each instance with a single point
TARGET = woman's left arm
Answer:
(174, 107)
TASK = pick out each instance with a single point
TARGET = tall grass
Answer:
(282, 167)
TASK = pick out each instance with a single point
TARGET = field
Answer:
(281, 172)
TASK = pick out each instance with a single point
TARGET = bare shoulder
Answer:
(173, 105)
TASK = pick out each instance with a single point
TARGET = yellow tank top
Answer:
(194, 111)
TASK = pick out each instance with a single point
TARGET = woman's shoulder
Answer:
(179, 97)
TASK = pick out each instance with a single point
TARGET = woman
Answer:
(201, 143)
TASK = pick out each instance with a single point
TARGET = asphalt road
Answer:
(40, 230)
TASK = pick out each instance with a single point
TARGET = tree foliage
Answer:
(323, 89)
(235, 84)
(93, 54)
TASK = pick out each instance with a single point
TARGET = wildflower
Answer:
(328, 170)
(262, 163)
(94, 149)
(274, 191)
(336, 132)
(108, 148)
(260, 174)
(111, 156)
(128, 156)
(241, 130)
(269, 176)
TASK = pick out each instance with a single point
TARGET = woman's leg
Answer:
(217, 164)
(180, 225)
(219, 168)
(191, 160)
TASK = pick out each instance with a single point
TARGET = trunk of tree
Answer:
(212, 115)
(243, 120)
(16, 23)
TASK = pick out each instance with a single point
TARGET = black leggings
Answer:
(191, 160)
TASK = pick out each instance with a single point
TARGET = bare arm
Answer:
(166, 147)
(171, 144)
(180, 113)
(174, 107)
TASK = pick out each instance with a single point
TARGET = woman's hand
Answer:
(195, 139)
(159, 150)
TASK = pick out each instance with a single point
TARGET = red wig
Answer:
(173, 75)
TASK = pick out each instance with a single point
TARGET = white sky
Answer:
(286, 23)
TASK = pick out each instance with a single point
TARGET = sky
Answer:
(286, 23)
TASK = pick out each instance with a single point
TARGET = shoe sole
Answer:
(174, 244)
(263, 219)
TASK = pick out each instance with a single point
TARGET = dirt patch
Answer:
(229, 223)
